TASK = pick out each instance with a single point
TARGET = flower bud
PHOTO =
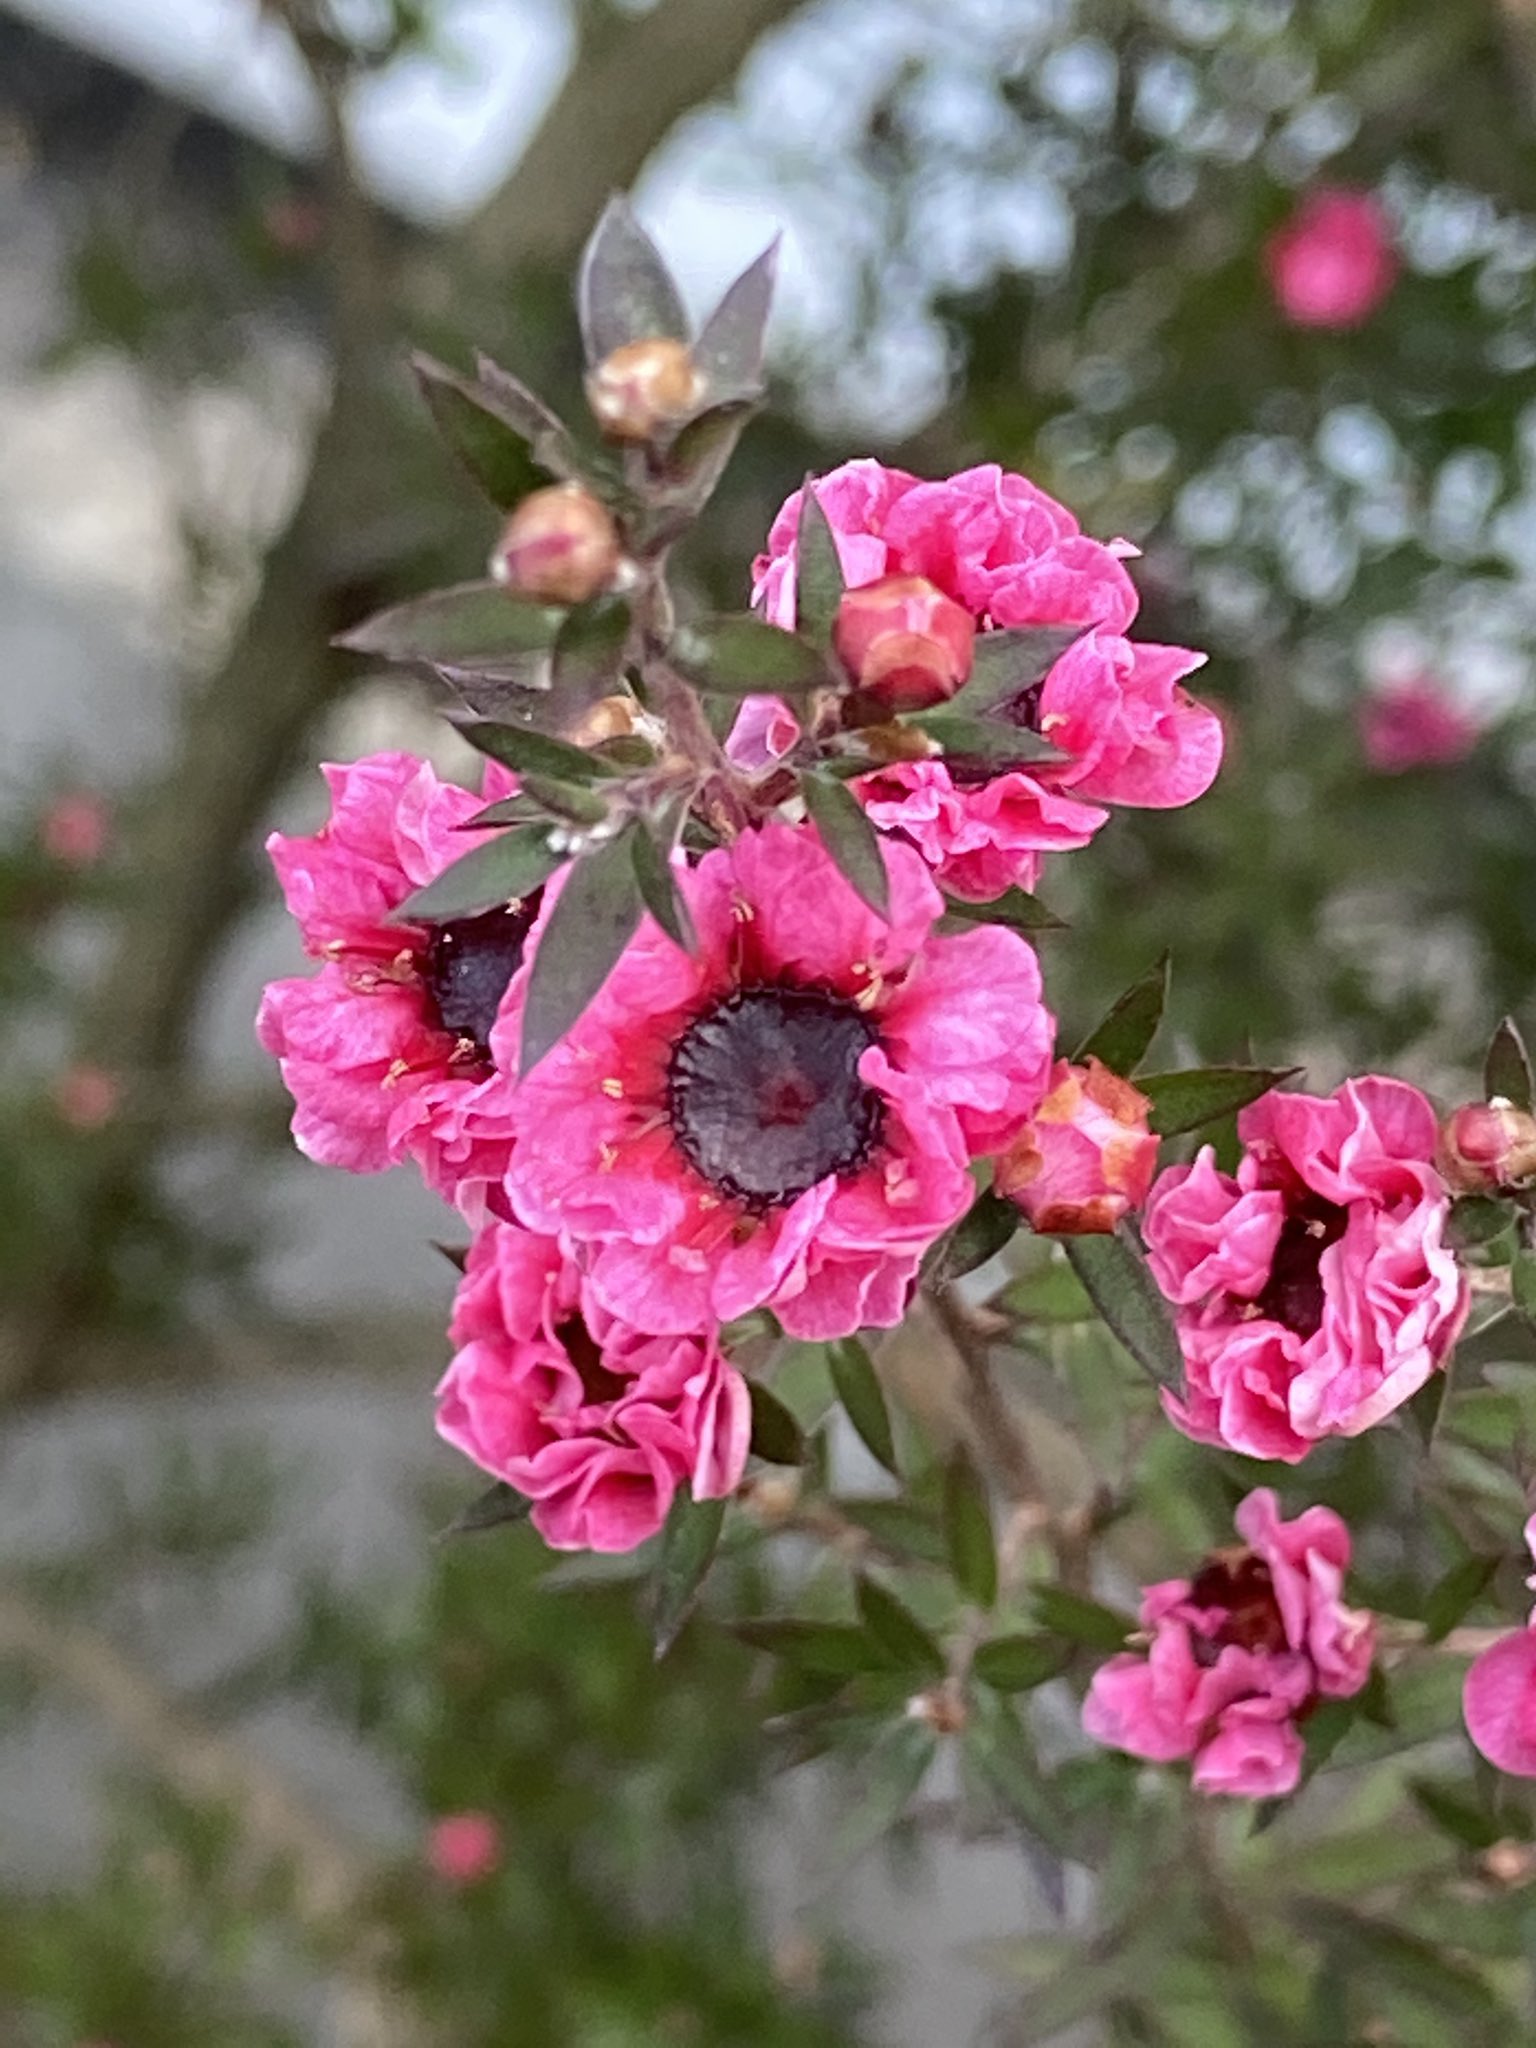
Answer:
(1087, 1158)
(1486, 1145)
(904, 643)
(560, 546)
(464, 1848)
(75, 829)
(643, 387)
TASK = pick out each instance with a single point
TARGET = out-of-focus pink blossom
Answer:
(1239, 1654)
(1499, 1696)
(1086, 1158)
(1487, 1145)
(75, 828)
(464, 1848)
(86, 1096)
(1414, 725)
(1333, 262)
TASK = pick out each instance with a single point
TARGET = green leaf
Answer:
(729, 352)
(1477, 1219)
(491, 447)
(851, 839)
(657, 883)
(889, 1775)
(968, 1530)
(466, 625)
(1019, 1663)
(1012, 659)
(892, 1624)
(1508, 1338)
(835, 1649)
(578, 803)
(493, 1509)
(688, 1545)
(989, 1224)
(1114, 1271)
(737, 654)
(1079, 1619)
(1507, 1067)
(819, 582)
(897, 1526)
(776, 1436)
(1453, 1594)
(1015, 908)
(549, 440)
(534, 753)
(1375, 1948)
(999, 1748)
(592, 922)
(686, 471)
(1121, 1037)
(857, 1386)
(506, 869)
(1522, 1283)
(588, 660)
(986, 742)
(1458, 1818)
(1193, 1096)
(625, 292)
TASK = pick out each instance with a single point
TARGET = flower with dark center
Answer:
(468, 963)
(1240, 1587)
(1293, 1294)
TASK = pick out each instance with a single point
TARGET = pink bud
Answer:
(464, 1848)
(904, 643)
(1414, 725)
(1485, 1145)
(1332, 263)
(560, 546)
(1087, 1159)
(87, 1097)
(644, 387)
(74, 829)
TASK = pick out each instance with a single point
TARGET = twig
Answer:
(998, 1436)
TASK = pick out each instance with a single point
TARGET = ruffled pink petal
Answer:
(1250, 1758)
(1499, 1702)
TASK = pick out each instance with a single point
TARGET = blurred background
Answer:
(264, 1751)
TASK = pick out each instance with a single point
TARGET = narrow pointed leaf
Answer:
(457, 1255)
(985, 742)
(494, 451)
(888, 1778)
(893, 1625)
(1019, 1663)
(1522, 1283)
(493, 1509)
(688, 1545)
(1080, 1620)
(625, 292)
(534, 753)
(505, 870)
(1185, 1100)
(730, 348)
(659, 891)
(1450, 1598)
(1015, 908)
(1507, 1069)
(737, 654)
(818, 571)
(857, 1386)
(989, 1224)
(898, 1527)
(591, 924)
(1477, 1219)
(1010, 660)
(776, 1436)
(1114, 1271)
(507, 810)
(1120, 1038)
(685, 473)
(588, 660)
(835, 1649)
(851, 839)
(467, 625)
(549, 440)
(968, 1530)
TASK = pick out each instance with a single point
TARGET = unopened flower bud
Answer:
(1087, 1158)
(644, 387)
(560, 546)
(1486, 1145)
(904, 643)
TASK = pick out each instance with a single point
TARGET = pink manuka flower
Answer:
(1315, 1292)
(596, 1422)
(1086, 1158)
(1332, 263)
(1414, 724)
(464, 1848)
(1499, 1697)
(1238, 1655)
(784, 1118)
(75, 828)
(979, 838)
(386, 1050)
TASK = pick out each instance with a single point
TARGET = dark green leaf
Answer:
(968, 1530)
(1374, 1947)
(1184, 1100)
(465, 626)
(1019, 1663)
(1522, 1283)
(1015, 908)
(1452, 1595)
(685, 473)
(1079, 1619)
(533, 753)
(737, 654)
(688, 1545)
(588, 660)
(1507, 1068)
(834, 1648)
(729, 352)
(493, 1509)
(989, 1224)
(457, 1255)
(776, 1436)
(578, 803)
(888, 1777)
(505, 870)
(998, 1746)
(818, 570)
(1477, 1219)
(1456, 1817)
(1120, 1038)
(1114, 1271)
(857, 1386)
(898, 1527)
(507, 810)
(1507, 1338)
(549, 441)
(659, 891)
(851, 839)
(625, 291)
(892, 1624)
(589, 927)
(1012, 659)
(987, 742)
(491, 447)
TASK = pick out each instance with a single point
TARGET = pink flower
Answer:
(385, 1050)
(1238, 1655)
(1414, 725)
(1499, 1697)
(75, 828)
(87, 1096)
(596, 1422)
(464, 1848)
(1315, 1292)
(1332, 263)
(980, 837)
(1087, 1157)
(785, 1118)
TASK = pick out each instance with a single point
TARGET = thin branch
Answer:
(998, 1436)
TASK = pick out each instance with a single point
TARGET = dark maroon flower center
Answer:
(1293, 1294)
(1240, 1583)
(764, 1093)
(598, 1384)
(468, 963)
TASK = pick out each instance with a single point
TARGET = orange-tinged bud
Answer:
(904, 643)
(643, 387)
(1087, 1158)
(1487, 1145)
(560, 546)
